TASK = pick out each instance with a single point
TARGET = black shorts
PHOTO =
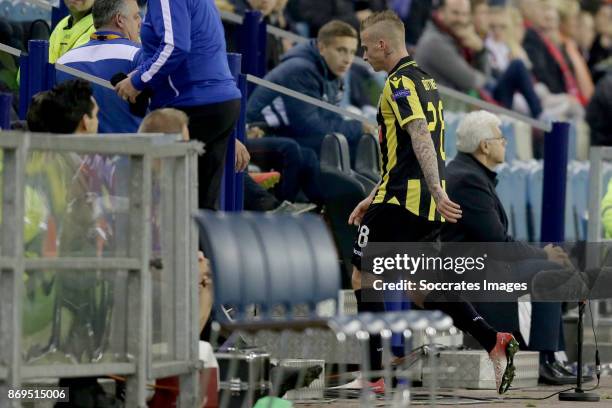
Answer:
(392, 223)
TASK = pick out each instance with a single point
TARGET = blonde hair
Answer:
(567, 9)
(166, 120)
(391, 20)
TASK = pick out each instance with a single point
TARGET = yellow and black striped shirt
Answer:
(409, 94)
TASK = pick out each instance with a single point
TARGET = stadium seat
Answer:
(342, 194)
(534, 194)
(570, 232)
(335, 153)
(580, 192)
(524, 143)
(367, 162)
(573, 136)
(505, 191)
(451, 122)
(507, 129)
(520, 172)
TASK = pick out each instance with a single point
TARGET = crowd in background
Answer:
(544, 58)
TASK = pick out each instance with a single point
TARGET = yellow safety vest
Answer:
(67, 36)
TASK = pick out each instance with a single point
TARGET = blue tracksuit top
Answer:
(184, 55)
(104, 59)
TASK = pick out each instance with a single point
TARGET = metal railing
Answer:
(161, 180)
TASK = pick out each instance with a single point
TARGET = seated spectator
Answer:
(529, 10)
(569, 14)
(315, 69)
(598, 112)
(454, 54)
(113, 50)
(166, 120)
(600, 58)
(504, 43)
(480, 17)
(67, 108)
(551, 65)
(470, 182)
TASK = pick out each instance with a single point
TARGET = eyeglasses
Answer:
(501, 138)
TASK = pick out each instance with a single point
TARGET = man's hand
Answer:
(254, 132)
(469, 38)
(369, 129)
(357, 215)
(557, 255)
(448, 209)
(126, 90)
(242, 157)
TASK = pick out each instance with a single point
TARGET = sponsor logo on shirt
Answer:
(401, 93)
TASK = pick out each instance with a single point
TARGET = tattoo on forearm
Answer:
(425, 152)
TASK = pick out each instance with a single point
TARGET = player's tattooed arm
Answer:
(425, 152)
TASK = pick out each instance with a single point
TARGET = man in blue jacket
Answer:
(185, 65)
(114, 48)
(315, 69)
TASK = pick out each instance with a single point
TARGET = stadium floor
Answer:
(528, 398)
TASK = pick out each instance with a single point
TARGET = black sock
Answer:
(375, 340)
(464, 316)
(547, 357)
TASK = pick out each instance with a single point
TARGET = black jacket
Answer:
(545, 68)
(598, 113)
(472, 185)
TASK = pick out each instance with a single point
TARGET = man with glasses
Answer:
(471, 182)
(113, 49)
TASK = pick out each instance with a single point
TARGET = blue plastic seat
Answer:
(507, 129)
(580, 186)
(534, 196)
(520, 173)
(505, 192)
(451, 122)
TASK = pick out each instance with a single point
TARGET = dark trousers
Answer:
(299, 166)
(257, 198)
(516, 78)
(212, 124)
(546, 332)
